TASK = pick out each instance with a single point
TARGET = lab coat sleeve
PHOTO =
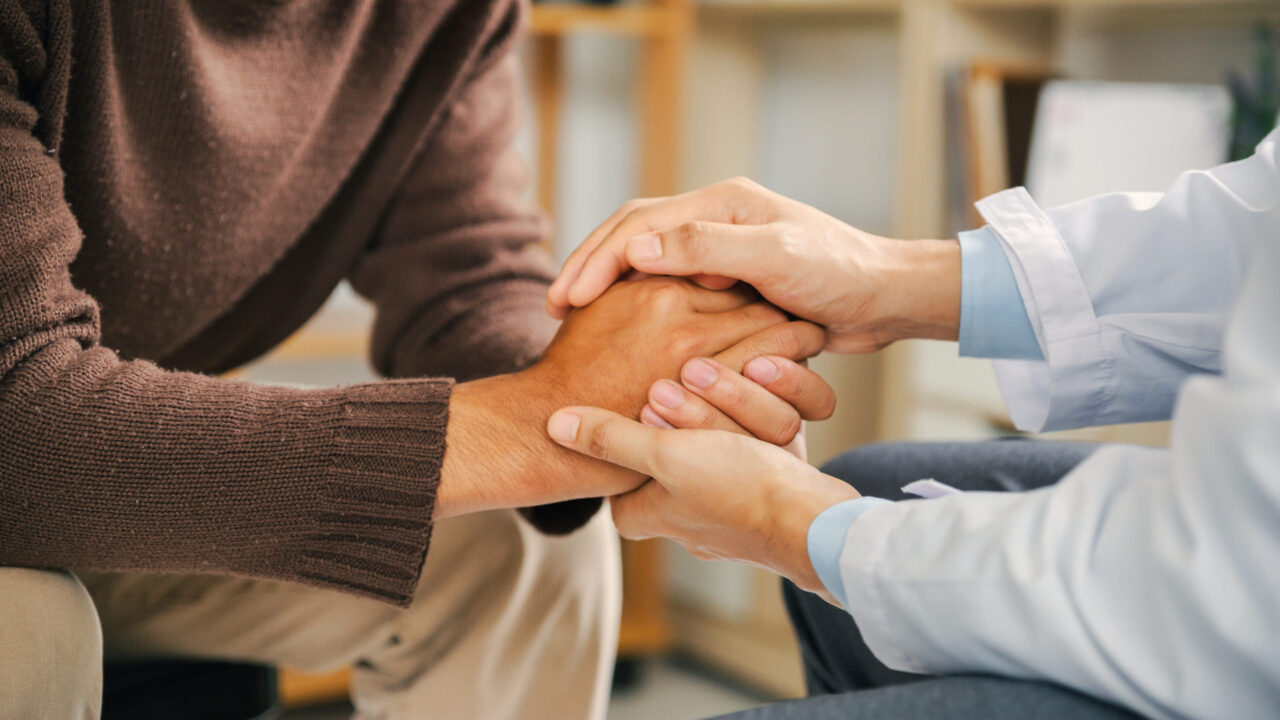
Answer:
(1129, 293)
(1145, 577)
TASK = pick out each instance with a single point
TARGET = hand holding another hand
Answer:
(866, 290)
(720, 494)
(608, 355)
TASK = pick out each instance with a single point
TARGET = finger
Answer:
(705, 300)
(639, 514)
(674, 406)
(653, 419)
(732, 201)
(754, 322)
(753, 408)
(746, 252)
(607, 436)
(699, 248)
(802, 388)
(557, 294)
(710, 282)
(795, 340)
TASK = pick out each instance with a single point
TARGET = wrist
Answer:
(922, 289)
(494, 446)
(799, 504)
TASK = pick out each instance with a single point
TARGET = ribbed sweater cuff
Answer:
(373, 522)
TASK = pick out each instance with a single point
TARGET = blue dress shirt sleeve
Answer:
(826, 540)
(993, 317)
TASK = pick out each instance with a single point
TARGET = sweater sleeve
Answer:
(114, 466)
(458, 273)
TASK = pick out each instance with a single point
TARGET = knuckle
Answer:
(642, 216)
(599, 438)
(697, 416)
(787, 341)
(791, 241)
(685, 342)
(665, 293)
(693, 236)
(812, 339)
(766, 313)
(730, 397)
(787, 429)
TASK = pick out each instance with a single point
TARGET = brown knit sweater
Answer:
(182, 183)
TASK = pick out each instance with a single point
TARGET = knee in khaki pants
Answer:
(50, 647)
(508, 624)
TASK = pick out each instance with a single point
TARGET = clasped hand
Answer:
(723, 494)
(610, 355)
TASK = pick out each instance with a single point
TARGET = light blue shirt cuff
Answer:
(993, 318)
(826, 540)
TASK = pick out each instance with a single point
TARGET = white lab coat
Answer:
(1147, 577)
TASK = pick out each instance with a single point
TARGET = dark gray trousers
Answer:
(846, 681)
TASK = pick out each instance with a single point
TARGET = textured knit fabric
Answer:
(182, 184)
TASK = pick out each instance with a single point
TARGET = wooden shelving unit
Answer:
(663, 28)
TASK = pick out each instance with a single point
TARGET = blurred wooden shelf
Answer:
(308, 345)
(634, 20)
(798, 9)
(299, 689)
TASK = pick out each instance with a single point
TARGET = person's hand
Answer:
(720, 494)
(608, 355)
(868, 291)
(769, 399)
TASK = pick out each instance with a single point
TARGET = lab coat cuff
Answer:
(993, 318)
(826, 540)
(1070, 387)
(860, 571)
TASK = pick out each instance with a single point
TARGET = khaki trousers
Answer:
(508, 623)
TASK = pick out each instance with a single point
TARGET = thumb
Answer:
(607, 436)
(741, 252)
(640, 513)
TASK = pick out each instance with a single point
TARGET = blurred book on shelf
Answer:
(991, 111)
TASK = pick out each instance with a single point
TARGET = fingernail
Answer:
(563, 427)
(653, 419)
(762, 370)
(645, 248)
(668, 394)
(699, 373)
